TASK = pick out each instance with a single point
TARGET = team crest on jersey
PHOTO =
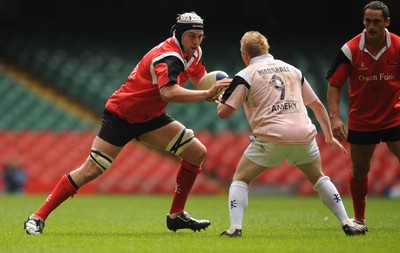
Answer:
(362, 66)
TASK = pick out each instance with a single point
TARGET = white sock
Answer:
(331, 199)
(237, 203)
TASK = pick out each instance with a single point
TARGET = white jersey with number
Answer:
(274, 95)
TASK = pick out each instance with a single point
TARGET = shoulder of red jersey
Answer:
(355, 41)
(170, 47)
(394, 38)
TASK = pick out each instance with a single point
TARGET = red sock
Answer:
(359, 191)
(184, 181)
(63, 190)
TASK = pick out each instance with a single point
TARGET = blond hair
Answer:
(254, 43)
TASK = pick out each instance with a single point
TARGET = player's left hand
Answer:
(335, 142)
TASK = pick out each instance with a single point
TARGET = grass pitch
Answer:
(136, 223)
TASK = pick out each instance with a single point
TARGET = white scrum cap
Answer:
(187, 21)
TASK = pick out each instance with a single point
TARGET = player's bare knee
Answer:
(202, 152)
(199, 153)
(195, 154)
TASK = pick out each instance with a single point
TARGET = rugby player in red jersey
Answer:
(371, 63)
(137, 110)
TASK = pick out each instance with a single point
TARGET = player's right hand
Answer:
(339, 129)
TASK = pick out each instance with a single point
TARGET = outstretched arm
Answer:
(224, 111)
(176, 93)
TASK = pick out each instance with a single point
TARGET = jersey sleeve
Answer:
(237, 81)
(339, 71)
(238, 97)
(167, 70)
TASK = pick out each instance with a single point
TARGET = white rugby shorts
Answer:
(268, 154)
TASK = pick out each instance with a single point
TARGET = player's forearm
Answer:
(178, 94)
(322, 117)
(333, 100)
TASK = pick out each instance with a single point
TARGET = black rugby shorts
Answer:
(374, 137)
(119, 132)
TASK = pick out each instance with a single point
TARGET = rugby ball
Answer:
(207, 81)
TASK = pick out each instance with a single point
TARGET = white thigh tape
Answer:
(180, 142)
(102, 160)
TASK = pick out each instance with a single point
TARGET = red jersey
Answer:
(374, 82)
(138, 100)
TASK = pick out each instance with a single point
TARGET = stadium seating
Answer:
(47, 155)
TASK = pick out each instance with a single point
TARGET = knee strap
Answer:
(100, 159)
(180, 142)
